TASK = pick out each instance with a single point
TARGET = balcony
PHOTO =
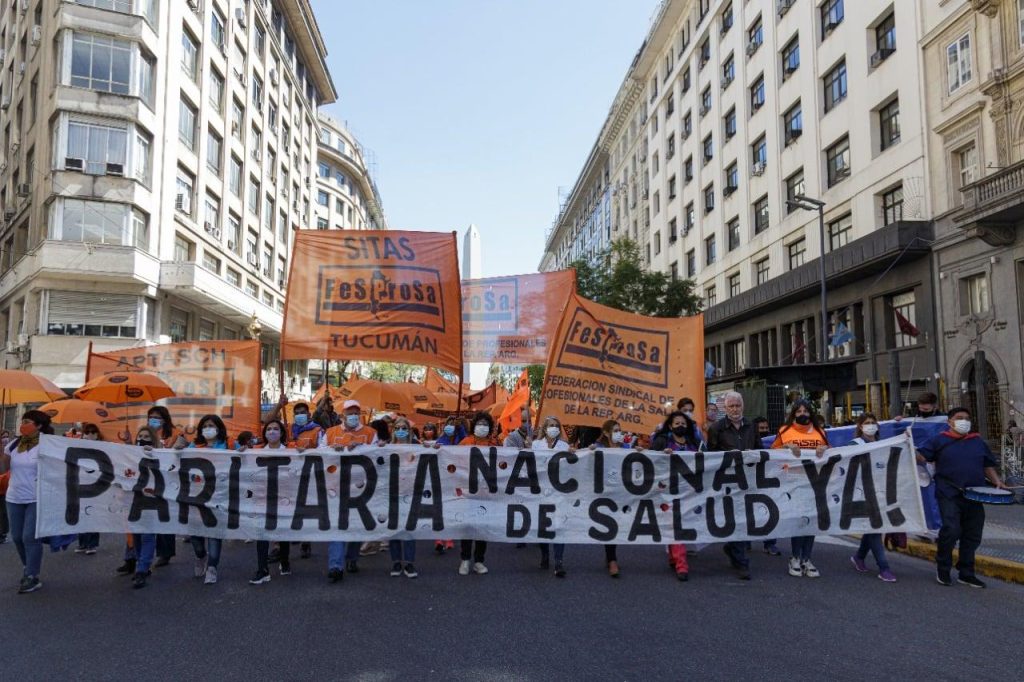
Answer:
(207, 290)
(77, 260)
(993, 204)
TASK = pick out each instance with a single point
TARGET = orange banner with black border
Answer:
(374, 295)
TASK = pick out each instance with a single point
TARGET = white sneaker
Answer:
(810, 571)
(211, 576)
(795, 569)
(464, 568)
(199, 567)
(479, 568)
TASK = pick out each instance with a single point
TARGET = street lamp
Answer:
(809, 204)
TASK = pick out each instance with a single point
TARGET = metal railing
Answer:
(1005, 181)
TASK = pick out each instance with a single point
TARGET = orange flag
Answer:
(435, 383)
(374, 295)
(609, 364)
(512, 416)
(512, 320)
(208, 377)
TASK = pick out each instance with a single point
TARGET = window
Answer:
(234, 278)
(710, 253)
(183, 249)
(735, 355)
(759, 154)
(761, 215)
(672, 188)
(657, 243)
(793, 123)
(889, 124)
(216, 94)
(730, 123)
(235, 176)
(958, 63)
(709, 198)
(687, 125)
(688, 169)
(187, 115)
(710, 298)
(794, 188)
(757, 94)
(211, 262)
(254, 196)
(837, 161)
(733, 232)
(185, 184)
(734, 284)
(670, 149)
(259, 40)
(835, 86)
(905, 313)
(673, 231)
(179, 325)
(674, 269)
(100, 63)
(322, 198)
(97, 145)
(237, 117)
(967, 165)
(189, 55)
(217, 32)
(728, 71)
(98, 222)
(705, 53)
(686, 80)
(831, 16)
(885, 39)
(705, 101)
(656, 202)
(321, 223)
(709, 149)
(727, 19)
(86, 313)
(235, 233)
(755, 36)
(251, 288)
(257, 93)
(732, 179)
(688, 218)
(324, 170)
(791, 57)
(797, 250)
(761, 271)
(892, 205)
(214, 145)
(691, 263)
(212, 215)
(839, 232)
(974, 298)
(670, 107)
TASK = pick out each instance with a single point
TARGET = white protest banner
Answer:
(498, 494)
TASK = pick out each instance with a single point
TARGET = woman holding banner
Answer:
(159, 419)
(483, 436)
(213, 435)
(800, 431)
(21, 459)
(88, 543)
(679, 433)
(867, 432)
(611, 436)
(143, 548)
(274, 438)
(552, 439)
(403, 552)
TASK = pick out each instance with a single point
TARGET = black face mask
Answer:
(143, 443)
(802, 419)
(679, 431)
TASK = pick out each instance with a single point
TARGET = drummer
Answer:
(962, 460)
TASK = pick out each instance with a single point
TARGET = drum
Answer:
(989, 495)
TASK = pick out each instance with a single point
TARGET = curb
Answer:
(1001, 569)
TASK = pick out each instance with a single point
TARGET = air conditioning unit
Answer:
(704, 110)
(234, 127)
(37, 35)
(22, 340)
(685, 134)
(726, 82)
(783, 7)
(115, 169)
(280, 283)
(193, 5)
(757, 104)
(708, 158)
(23, 189)
(231, 245)
(5, 104)
(72, 164)
(729, 189)
(273, 76)
(208, 226)
(752, 47)
(9, 213)
(309, 183)
(795, 133)
(253, 260)
(880, 56)
(12, 348)
(758, 168)
(216, 233)
(240, 17)
(256, 155)
(179, 202)
(21, 68)
(830, 25)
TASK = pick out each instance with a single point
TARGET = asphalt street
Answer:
(516, 623)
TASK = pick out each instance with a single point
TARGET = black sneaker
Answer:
(742, 572)
(351, 567)
(410, 571)
(139, 580)
(305, 550)
(559, 570)
(438, 548)
(335, 575)
(396, 569)
(286, 568)
(682, 576)
(260, 577)
(970, 580)
(29, 583)
(127, 568)
(942, 577)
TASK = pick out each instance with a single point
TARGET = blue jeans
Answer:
(145, 550)
(559, 551)
(340, 552)
(802, 547)
(873, 542)
(204, 546)
(931, 507)
(402, 550)
(22, 518)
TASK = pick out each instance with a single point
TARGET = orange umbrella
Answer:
(418, 392)
(124, 387)
(18, 387)
(375, 395)
(74, 410)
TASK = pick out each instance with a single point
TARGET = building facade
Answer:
(974, 58)
(347, 196)
(157, 157)
(729, 110)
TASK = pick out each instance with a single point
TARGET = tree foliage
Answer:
(616, 278)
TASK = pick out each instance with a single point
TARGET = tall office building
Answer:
(156, 157)
(347, 196)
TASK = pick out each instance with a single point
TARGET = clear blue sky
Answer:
(479, 110)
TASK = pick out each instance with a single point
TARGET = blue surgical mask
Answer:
(301, 419)
(351, 420)
(449, 429)
(401, 434)
(155, 423)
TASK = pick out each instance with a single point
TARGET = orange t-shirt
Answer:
(306, 439)
(806, 437)
(339, 435)
(473, 440)
(173, 438)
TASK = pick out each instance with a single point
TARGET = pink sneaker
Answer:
(859, 564)
(887, 576)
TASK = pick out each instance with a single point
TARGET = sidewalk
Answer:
(1001, 554)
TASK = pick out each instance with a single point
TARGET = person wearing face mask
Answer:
(678, 434)
(21, 459)
(927, 406)
(482, 436)
(305, 433)
(799, 432)
(552, 439)
(429, 433)
(962, 460)
(143, 549)
(711, 416)
(867, 432)
(350, 434)
(451, 433)
(158, 418)
(275, 437)
(611, 437)
(403, 552)
(213, 435)
(88, 543)
(5, 481)
(521, 438)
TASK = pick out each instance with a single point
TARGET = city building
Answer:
(729, 110)
(974, 60)
(347, 196)
(156, 157)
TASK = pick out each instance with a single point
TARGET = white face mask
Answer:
(552, 432)
(481, 430)
(962, 426)
(618, 436)
(210, 433)
(869, 429)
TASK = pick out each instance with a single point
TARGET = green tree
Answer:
(615, 278)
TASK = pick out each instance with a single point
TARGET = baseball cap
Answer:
(351, 403)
